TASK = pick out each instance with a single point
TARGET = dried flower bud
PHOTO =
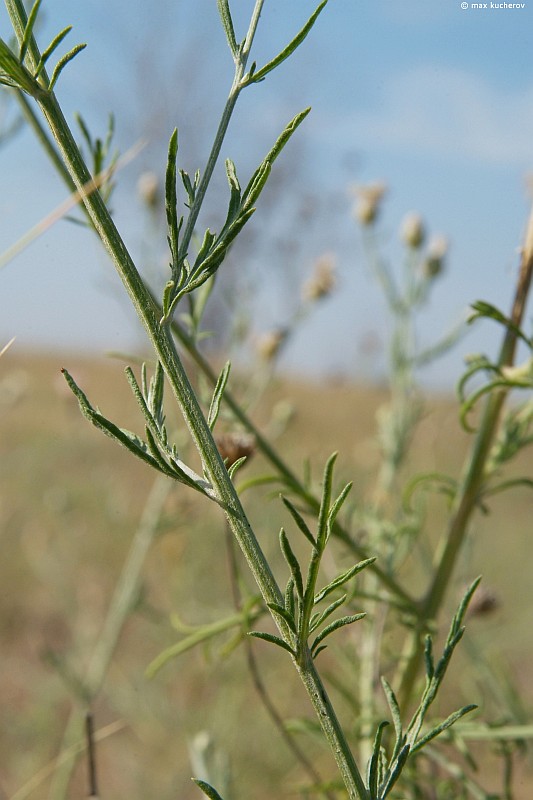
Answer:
(368, 202)
(412, 231)
(436, 253)
(233, 446)
(322, 282)
(148, 189)
(269, 344)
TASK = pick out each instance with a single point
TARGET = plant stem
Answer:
(163, 343)
(236, 87)
(468, 496)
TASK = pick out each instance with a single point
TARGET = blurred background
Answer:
(434, 101)
(431, 102)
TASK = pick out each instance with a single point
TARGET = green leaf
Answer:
(375, 759)
(284, 614)
(15, 74)
(155, 395)
(395, 771)
(28, 30)
(269, 637)
(487, 310)
(327, 481)
(171, 199)
(125, 438)
(394, 709)
(337, 505)
(343, 578)
(227, 24)
(334, 626)
(258, 179)
(438, 729)
(259, 75)
(428, 657)
(292, 561)
(62, 63)
(319, 619)
(299, 520)
(207, 789)
(235, 467)
(214, 407)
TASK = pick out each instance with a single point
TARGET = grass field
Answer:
(70, 501)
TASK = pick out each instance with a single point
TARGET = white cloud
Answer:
(444, 112)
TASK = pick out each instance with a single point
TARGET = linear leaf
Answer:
(214, 407)
(340, 580)
(269, 637)
(62, 63)
(260, 74)
(171, 198)
(337, 505)
(325, 501)
(207, 789)
(284, 614)
(395, 771)
(28, 30)
(299, 520)
(292, 561)
(258, 179)
(447, 723)
(227, 24)
(334, 626)
(373, 767)
(54, 44)
(395, 714)
(319, 619)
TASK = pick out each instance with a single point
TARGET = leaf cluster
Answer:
(383, 771)
(188, 274)
(299, 611)
(20, 70)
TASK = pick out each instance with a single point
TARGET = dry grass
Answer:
(69, 500)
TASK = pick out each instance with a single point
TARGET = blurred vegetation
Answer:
(69, 502)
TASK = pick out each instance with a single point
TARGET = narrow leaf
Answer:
(325, 502)
(171, 198)
(214, 407)
(394, 710)
(227, 24)
(340, 580)
(28, 30)
(438, 729)
(269, 637)
(395, 771)
(299, 520)
(319, 619)
(155, 395)
(292, 561)
(260, 74)
(337, 505)
(235, 467)
(334, 626)
(62, 63)
(207, 789)
(373, 767)
(284, 614)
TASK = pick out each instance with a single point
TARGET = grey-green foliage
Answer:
(303, 622)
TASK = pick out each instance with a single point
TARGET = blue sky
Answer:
(434, 99)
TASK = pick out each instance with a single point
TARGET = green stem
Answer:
(236, 87)
(215, 470)
(468, 496)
